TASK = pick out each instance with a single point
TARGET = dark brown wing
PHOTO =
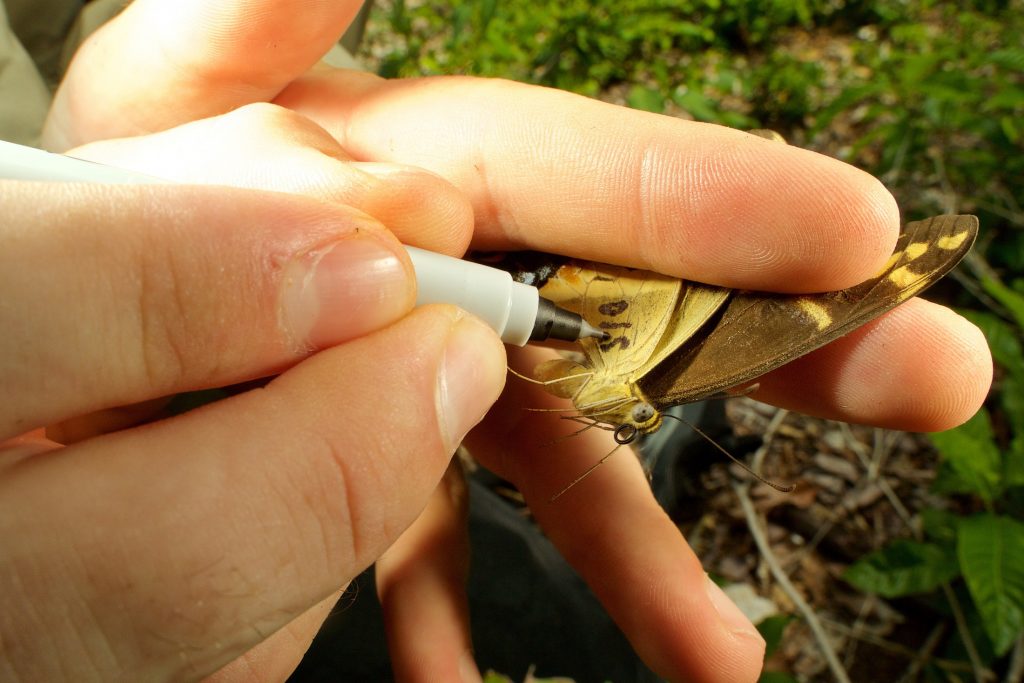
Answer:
(757, 332)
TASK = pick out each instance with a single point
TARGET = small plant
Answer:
(975, 540)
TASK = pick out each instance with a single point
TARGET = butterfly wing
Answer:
(628, 303)
(635, 307)
(696, 304)
(758, 332)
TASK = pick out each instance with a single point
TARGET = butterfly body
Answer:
(647, 317)
(674, 341)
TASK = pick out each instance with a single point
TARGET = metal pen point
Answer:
(557, 323)
(514, 310)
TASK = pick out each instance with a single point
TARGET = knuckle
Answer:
(263, 118)
(170, 324)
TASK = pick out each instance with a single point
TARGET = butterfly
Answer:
(673, 341)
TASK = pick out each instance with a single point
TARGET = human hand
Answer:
(166, 551)
(555, 172)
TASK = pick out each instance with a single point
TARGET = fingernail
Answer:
(730, 614)
(472, 375)
(343, 290)
(468, 671)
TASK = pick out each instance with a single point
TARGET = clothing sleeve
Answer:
(24, 96)
(38, 38)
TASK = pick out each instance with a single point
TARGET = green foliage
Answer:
(991, 552)
(935, 104)
(587, 46)
(771, 629)
(904, 568)
(981, 465)
(776, 677)
(972, 463)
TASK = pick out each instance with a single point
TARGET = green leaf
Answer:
(1012, 395)
(698, 106)
(1009, 128)
(970, 451)
(776, 677)
(1013, 301)
(955, 648)
(1003, 338)
(495, 677)
(904, 568)
(1011, 59)
(991, 552)
(771, 629)
(939, 525)
(647, 99)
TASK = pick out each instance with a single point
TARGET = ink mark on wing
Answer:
(613, 308)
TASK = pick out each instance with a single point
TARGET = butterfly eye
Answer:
(642, 412)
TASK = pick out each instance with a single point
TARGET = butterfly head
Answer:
(643, 418)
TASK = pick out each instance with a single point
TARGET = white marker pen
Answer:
(515, 310)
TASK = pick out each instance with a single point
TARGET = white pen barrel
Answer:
(492, 295)
(28, 163)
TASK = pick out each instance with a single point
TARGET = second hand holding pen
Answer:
(516, 311)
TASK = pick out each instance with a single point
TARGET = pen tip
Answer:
(588, 330)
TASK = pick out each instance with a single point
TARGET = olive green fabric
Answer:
(24, 97)
(38, 38)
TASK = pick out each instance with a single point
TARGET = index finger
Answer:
(613, 532)
(553, 171)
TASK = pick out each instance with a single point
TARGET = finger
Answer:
(921, 367)
(195, 538)
(157, 65)
(421, 581)
(562, 173)
(610, 528)
(276, 658)
(145, 298)
(266, 147)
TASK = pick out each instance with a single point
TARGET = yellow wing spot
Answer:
(915, 250)
(818, 313)
(950, 242)
(889, 264)
(904, 276)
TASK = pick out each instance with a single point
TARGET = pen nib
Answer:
(588, 330)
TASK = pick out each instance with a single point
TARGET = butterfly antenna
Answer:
(583, 476)
(778, 487)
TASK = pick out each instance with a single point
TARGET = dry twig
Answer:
(1015, 672)
(896, 648)
(761, 539)
(924, 655)
(981, 674)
